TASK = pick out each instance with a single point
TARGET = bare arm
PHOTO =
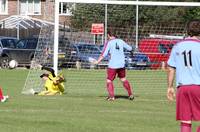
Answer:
(171, 75)
(99, 60)
(170, 80)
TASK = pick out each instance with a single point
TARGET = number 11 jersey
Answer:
(185, 57)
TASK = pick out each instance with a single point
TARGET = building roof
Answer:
(24, 22)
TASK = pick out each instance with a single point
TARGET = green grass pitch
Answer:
(83, 108)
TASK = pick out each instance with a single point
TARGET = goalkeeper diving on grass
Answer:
(54, 85)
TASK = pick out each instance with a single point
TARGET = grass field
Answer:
(83, 108)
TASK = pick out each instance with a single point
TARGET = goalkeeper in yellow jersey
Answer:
(53, 84)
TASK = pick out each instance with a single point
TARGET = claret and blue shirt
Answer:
(185, 58)
(115, 48)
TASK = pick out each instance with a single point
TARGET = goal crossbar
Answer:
(146, 3)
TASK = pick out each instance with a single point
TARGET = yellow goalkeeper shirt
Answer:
(50, 86)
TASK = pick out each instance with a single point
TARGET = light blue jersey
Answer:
(115, 48)
(185, 57)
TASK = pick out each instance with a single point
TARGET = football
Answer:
(12, 64)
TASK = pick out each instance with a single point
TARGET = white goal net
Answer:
(43, 54)
(151, 28)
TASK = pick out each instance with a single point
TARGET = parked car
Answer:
(157, 49)
(7, 46)
(23, 52)
(134, 60)
(82, 54)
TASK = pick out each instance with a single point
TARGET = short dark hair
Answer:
(193, 27)
(110, 32)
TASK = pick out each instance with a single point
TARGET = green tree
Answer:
(86, 14)
(124, 15)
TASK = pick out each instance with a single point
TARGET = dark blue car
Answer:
(83, 54)
(134, 60)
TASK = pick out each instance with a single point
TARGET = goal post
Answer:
(56, 32)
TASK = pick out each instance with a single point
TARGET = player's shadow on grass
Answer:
(121, 96)
(124, 96)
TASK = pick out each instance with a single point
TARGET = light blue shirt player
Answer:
(185, 58)
(115, 48)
